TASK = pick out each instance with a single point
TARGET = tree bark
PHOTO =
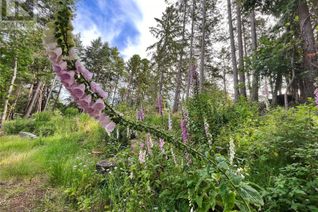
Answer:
(191, 50)
(255, 80)
(50, 94)
(6, 103)
(242, 85)
(180, 65)
(309, 49)
(34, 98)
(202, 53)
(233, 50)
(57, 97)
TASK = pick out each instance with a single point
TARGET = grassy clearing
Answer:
(37, 173)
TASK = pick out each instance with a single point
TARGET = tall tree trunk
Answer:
(6, 103)
(277, 84)
(242, 85)
(224, 81)
(309, 51)
(202, 53)
(180, 65)
(34, 98)
(248, 75)
(40, 99)
(57, 97)
(255, 80)
(50, 94)
(233, 55)
(191, 50)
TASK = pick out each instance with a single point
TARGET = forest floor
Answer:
(24, 180)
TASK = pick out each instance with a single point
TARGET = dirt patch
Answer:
(22, 195)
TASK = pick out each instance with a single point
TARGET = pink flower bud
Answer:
(55, 54)
(85, 73)
(110, 127)
(104, 120)
(96, 88)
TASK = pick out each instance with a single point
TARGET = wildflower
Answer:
(184, 129)
(141, 115)
(231, 151)
(149, 143)
(78, 91)
(161, 144)
(142, 154)
(159, 104)
(96, 88)
(81, 69)
(173, 156)
(207, 131)
(169, 122)
(67, 78)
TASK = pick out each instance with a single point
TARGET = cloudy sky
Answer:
(122, 23)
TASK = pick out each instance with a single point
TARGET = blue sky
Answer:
(122, 23)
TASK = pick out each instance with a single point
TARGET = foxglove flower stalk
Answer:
(231, 151)
(161, 144)
(149, 144)
(142, 154)
(69, 79)
(169, 122)
(159, 104)
(207, 131)
(140, 114)
(184, 128)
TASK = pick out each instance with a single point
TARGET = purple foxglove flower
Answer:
(161, 144)
(184, 130)
(159, 104)
(58, 67)
(96, 88)
(67, 78)
(99, 105)
(78, 91)
(140, 115)
(169, 122)
(142, 156)
(110, 127)
(149, 143)
(81, 69)
(55, 55)
(104, 120)
(85, 102)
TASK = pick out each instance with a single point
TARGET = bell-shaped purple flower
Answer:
(55, 55)
(81, 69)
(99, 105)
(96, 88)
(78, 91)
(184, 129)
(67, 78)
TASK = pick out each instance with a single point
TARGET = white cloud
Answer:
(150, 9)
(143, 20)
